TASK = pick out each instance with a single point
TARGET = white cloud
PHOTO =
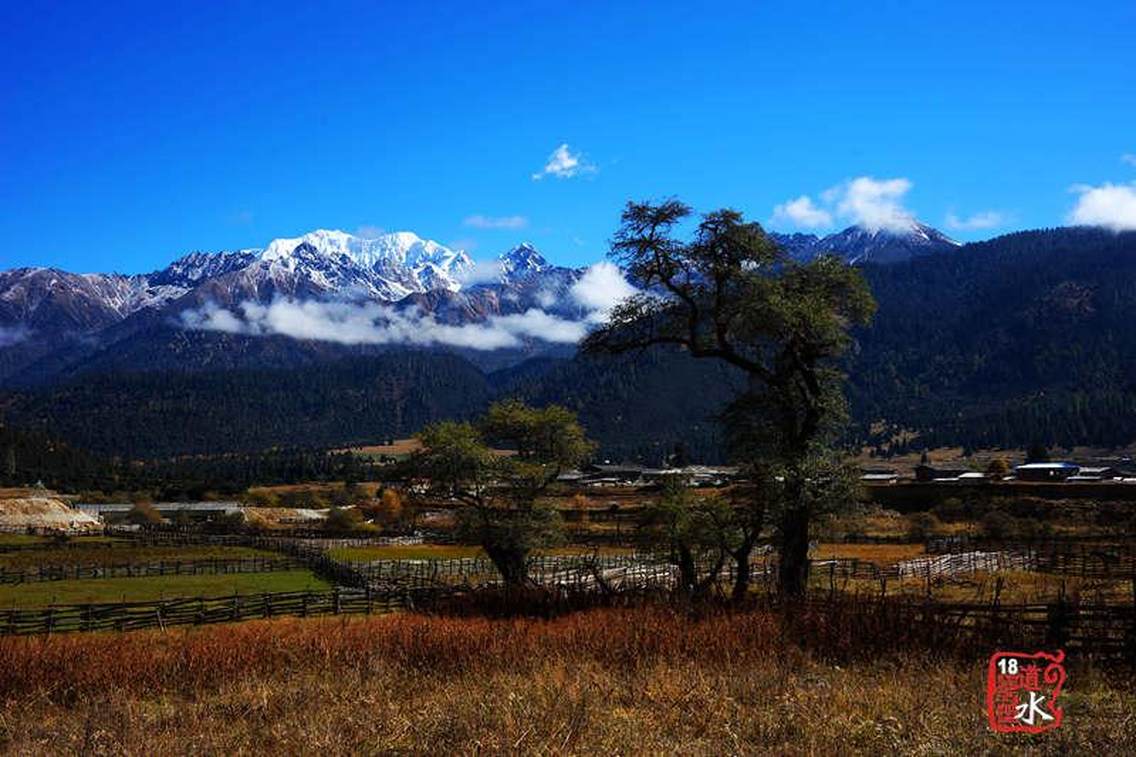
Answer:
(10, 335)
(212, 317)
(372, 323)
(564, 164)
(873, 203)
(870, 203)
(1129, 158)
(478, 221)
(481, 272)
(803, 213)
(601, 288)
(987, 219)
(1112, 206)
(545, 298)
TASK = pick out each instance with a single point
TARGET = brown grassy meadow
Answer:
(635, 680)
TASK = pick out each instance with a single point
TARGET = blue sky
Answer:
(132, 133)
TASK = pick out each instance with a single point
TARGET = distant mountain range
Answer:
(54, 323)
(1020, 339)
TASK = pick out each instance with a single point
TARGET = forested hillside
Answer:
(158, 414)
(1025, 338)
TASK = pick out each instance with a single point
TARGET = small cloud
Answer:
(481, 272)
(987, 219)
(212, 317)
(1129, 158)
(242, 218)
(545, 298)
(874, 204)
(1112, 206)
(564, 164)
(870, 203)
(367, 231)
(478, 221)
(10, 335)
(601, 288)
(803, 213)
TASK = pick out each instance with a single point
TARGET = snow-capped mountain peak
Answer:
(400, 262)
(521, 260)
(401, 247)
(857, 244)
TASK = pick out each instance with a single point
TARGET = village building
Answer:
(1050, 472)
(1092, 474)
(878, 476)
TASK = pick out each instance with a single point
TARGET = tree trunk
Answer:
(793, 572)
(741, 577)
(686, 570)
(512, 564)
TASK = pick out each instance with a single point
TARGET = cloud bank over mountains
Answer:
(375, 323)
(598, 289)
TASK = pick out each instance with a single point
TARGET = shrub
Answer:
(998, 525)
(347, 520)
(143, 514)
(951, 508)
(998, 469)
(920, 526)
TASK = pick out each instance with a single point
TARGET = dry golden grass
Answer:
(880, 554)
(368, 488)
(1021, 587)
(607, 681)
(399, 448)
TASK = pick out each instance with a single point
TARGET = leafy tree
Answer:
(499, 492)
(143, 514)
(730, 294)
(390, 506)
(342, 520)
(998, 469)
(691, 530)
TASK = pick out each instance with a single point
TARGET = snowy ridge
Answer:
(407, 262)
(857, 244)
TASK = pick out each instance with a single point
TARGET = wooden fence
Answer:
(128, 616)
(648, 571)
(67, 572)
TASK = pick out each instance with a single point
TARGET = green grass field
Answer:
(122, 552)
(155, 587)
(20, 539)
